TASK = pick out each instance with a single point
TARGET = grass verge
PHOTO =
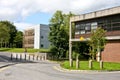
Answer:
(21, 50)
(84, 65)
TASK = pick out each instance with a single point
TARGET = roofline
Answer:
(96, 14)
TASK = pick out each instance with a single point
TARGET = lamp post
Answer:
(70, 45)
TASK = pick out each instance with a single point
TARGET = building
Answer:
(36, 37)
(108, 19)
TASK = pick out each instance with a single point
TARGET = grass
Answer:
(84, 65)
(21, 50)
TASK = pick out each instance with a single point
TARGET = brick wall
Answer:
(111, 52)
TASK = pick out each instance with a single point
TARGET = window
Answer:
(42, 37)
(88, 28)
(41, 45)
(77, 32)
(94, 25)
(82, 32)
(77, 27)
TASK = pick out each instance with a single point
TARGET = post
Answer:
(11, 56)
(37, 57)
(70, 45)
(45, 56)
(20, 56)
(98, 50)
(33, 57)
(77, 63)
(90, 64)
(29, 57)
(16, 56)
(101, 64)
(25, 56)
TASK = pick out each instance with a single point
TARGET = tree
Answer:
(81, 49)
(4, 35)
(12, 31)
(97, 42)
(59, 33)
(18, 40)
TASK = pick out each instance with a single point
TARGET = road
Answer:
(44, 70)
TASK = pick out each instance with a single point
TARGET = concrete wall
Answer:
(44, 32)
(37, 37)
(96, 14)
(41, 36)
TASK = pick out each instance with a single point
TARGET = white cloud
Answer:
(22, 26)
(17, 10)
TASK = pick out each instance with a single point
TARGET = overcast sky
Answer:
(25, 13)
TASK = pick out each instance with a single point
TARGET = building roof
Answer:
(96, 14)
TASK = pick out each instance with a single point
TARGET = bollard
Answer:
(11, 56)
(29, 57)
(33, 57)
(101, 64)
(90, 64)
(16, 56)
(45, 56)
(71, 63)
(20, 56)
(40, 57)
(37, 57)
(25, 56)
(77, 64)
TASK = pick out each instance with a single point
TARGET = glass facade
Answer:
(109, 23)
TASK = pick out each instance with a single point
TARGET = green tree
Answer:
(18, 40)
(12, 31)
(59, 33)
(97, 42)
(81, 48)
(4, 35)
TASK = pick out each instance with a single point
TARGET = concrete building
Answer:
(108, 19)
(36, 37)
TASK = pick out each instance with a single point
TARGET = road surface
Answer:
(44, 70)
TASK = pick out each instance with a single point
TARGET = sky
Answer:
(26, 13)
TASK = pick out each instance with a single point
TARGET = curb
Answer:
(6, 65)
(59, 68)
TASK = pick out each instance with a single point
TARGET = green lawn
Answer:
(21, 50)
(84, 65)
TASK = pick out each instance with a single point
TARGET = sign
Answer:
(82, 38)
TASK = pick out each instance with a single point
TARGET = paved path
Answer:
(44, 70)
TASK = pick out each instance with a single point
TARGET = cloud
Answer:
(18, 9)
(22, 26)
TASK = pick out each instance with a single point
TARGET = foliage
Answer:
(97, 41)
(18, 40)
(84, 65)
(11, 29)
(59, 34)
(4, 34)
(81, 48)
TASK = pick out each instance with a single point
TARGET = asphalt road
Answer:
(44, 70)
